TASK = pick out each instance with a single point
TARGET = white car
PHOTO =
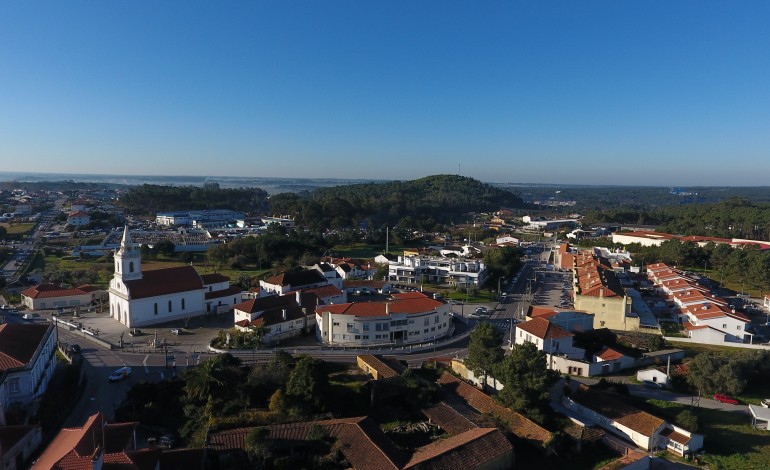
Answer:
(765, 403)
(120, 374)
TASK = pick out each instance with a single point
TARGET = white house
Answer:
(78, 218)
(613, 360)
(288, 281)
(548, 337)
(140, 298)
(49, 296)
(28, 360)
(413, 269)
(406, 318)
(283, 316)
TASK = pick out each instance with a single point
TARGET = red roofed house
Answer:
(284, 316)
(48, 296)
(404, 319)
(613, 360)
(100, 445)
(146, 298)
(78, 218)
(548, 337)
(27, 362)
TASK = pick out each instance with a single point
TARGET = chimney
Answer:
(298, 296)
(283, 314)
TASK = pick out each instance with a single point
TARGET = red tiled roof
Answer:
(675, 436)
(609, 354)
(543, 329)
(19, 342)
(214, 278)
(384, 371)
(471, 449)
(448, 419)
(322, 292)
(230, 291)
(516, 423)
(296, 278)
(536, 311)
(165, 281)
(47, 291)
(611, 407)
(414, 303)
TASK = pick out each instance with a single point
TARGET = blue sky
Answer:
(591, 92)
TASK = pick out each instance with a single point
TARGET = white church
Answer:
(157, 296)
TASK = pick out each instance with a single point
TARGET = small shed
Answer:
(760, 417)
(653, 375)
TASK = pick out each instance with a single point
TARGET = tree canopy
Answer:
(484, 349)
(527, 380)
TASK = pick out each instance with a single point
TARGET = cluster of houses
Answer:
(704, 316)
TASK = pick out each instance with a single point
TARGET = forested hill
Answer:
(442, 198)
(149, 199)
(735, 217)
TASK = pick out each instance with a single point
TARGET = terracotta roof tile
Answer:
(473, 448)
(543, 329)
(609, 354)
(47, 291)
(384, 371)
(411, 303)
(516, 423)
(613, 408)
(230, 291)
(19, 342)
(165, 281)
(448, 419)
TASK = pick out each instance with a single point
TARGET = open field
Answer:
(16, 229)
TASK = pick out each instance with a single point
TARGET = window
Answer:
(737, 327)
(425, 331)
(366, 327)
(427, 322)
(131, 267)
(182, 304)
(435, 319)
(358, 336)
(350, 326)
(169, 306)
(13, 386)
(366, 336)
(433, 329)
(156, 308)
(336, 323)
(724, 325)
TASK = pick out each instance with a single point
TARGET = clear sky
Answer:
(594, 92)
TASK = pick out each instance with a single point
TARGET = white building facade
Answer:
(145, 298)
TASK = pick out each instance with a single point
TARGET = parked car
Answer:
(651, 384)
(481, 311)
(725, 399)
(120, 374)
(167, 440)
(765, 403)
(27, 317)
(74, 349)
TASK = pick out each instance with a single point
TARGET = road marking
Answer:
(146, 369)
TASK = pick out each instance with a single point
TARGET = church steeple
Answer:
(128, 259)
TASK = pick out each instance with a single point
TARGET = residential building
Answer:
(142, 298)
(49, 296)
(643, 429)
(548, 337)
(288, 281)
(17, 444)
(102, 445)
(406, 318)
(570, 320)
(416, 269)
(78, 218)
(598, 292)
(283, 316)
(27, 363)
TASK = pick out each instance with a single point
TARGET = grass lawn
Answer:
(17, 229)
(730, 440)
(693, 349)
(480, 296)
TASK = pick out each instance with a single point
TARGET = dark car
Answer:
(74, 349)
